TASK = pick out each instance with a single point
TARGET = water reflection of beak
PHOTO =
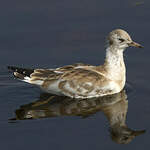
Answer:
(135, 44)
(136, 133)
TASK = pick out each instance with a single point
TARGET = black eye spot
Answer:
(121, 40)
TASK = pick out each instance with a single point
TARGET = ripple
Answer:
(129, 88)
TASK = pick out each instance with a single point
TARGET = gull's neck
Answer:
(114, 63)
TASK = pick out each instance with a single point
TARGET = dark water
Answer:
(59, 32)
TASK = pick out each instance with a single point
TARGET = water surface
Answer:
(55, 33)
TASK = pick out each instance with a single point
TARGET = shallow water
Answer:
(55, 33)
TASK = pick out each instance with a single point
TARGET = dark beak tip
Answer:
(136, 44)
(141, 46)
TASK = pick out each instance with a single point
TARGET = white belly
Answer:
(53, 89)
(110, 88)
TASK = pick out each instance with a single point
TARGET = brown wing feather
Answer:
(55, 73)
(80, 81)
(45, 74)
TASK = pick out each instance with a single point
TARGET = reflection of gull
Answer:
(85, 81)
(113, 106)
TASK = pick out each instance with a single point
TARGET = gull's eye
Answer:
(121, 40)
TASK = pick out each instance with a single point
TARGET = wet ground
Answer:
(55, 33)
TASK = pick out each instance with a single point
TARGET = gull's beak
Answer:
(135, 44)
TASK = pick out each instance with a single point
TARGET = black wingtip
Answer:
(25, 72)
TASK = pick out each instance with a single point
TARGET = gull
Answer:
(82, 80)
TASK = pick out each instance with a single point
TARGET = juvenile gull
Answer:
(82, 80)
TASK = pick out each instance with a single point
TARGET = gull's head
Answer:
(120, 39)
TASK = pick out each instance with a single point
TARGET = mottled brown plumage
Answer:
(83, 80)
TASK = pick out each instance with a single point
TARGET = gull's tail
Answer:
(21, 73)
